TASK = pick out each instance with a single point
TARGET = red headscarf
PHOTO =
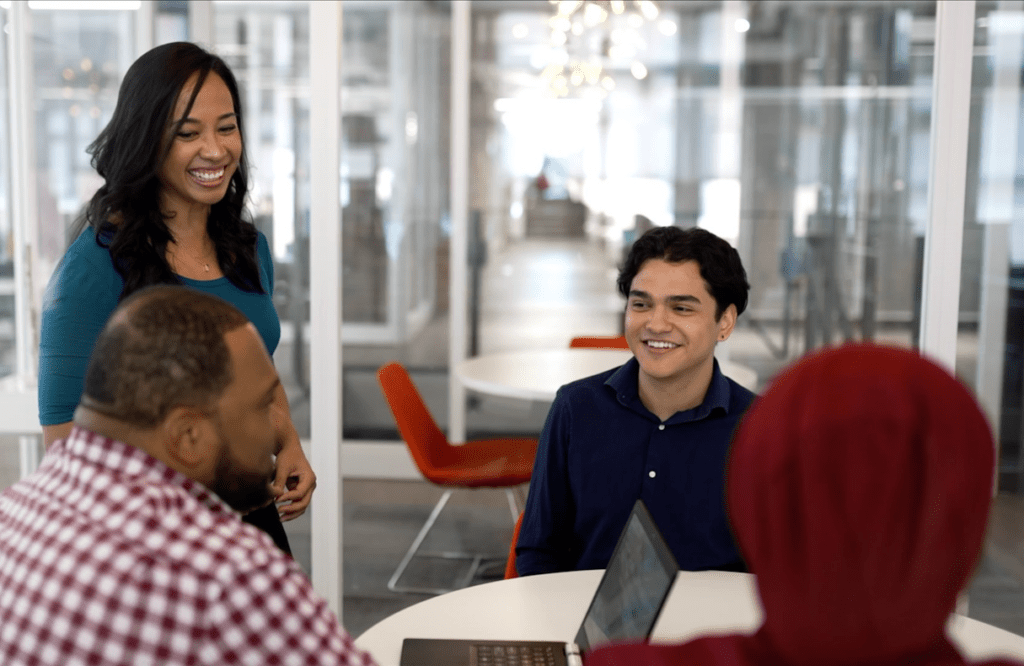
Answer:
(859, 486)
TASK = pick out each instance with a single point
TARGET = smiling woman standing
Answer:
(170, 211)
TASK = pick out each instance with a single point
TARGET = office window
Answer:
(990, 343)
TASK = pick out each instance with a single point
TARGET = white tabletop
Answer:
(537, 374)
(551, 607)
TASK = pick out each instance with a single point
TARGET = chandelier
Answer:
(586, 35)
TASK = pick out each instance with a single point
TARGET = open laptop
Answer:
(625, 606)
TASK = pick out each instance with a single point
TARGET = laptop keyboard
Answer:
(515, 655)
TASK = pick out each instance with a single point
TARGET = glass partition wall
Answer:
(990, 343)
(798, 131)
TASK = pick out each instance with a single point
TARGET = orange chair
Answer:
(510, 564)
(490, 463)
(599, 342)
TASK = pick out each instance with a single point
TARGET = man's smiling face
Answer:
(670, 322)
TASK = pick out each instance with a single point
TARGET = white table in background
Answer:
(19, 415)
(537, 374)
(550, 607)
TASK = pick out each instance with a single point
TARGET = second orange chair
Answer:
(599, 342)
(490, 463)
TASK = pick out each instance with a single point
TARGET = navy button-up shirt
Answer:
(601, 449)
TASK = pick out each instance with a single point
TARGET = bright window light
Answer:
(720, 207)
(638, 70)
(742, 25)
(667, 27)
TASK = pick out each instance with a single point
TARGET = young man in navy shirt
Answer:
(656, 428)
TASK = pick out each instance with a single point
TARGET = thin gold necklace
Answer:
(195, 258)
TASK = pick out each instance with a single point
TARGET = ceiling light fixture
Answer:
(586, 71)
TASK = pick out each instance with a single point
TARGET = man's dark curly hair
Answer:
(719, 263)
(162, 348)
(128, 153)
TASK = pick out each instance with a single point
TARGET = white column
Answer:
(458, 271)
(23, 183)
(947, 175)
(200, 22)
(145, 28)
(325, 294)
(24, 214)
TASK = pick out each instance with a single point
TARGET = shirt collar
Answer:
(124, 460)
(625, 382)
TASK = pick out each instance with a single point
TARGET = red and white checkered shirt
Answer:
(107, 556)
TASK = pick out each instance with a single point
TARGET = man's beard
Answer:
(242, 490)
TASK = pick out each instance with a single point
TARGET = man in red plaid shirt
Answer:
(126, 546)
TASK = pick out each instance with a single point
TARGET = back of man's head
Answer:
(719, 262)
(163, 347)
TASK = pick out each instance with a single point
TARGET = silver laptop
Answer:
(625, 606)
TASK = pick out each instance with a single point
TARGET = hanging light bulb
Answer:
(648, 9)
(560, 23)
(594, 14)
(567, 7)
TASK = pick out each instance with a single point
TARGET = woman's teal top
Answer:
(82, 294)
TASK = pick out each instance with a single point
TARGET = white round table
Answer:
(537, 374)
(550, 607)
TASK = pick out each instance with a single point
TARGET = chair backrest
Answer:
(510, 565)
(427, 443)
(599, 342)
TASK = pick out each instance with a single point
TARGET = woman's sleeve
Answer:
(79, 299)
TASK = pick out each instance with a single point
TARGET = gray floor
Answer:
(380, 521)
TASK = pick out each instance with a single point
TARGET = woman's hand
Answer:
(295, 480)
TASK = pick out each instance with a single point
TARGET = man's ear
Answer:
(727, 322)
(189, 438)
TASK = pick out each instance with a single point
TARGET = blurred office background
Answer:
(801, 131)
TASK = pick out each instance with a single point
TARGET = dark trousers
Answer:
(269, 521)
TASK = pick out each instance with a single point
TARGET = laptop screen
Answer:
(634, 587)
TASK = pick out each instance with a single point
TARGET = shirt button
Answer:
(652, 474)
(661, 426)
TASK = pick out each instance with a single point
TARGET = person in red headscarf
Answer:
(858, 487)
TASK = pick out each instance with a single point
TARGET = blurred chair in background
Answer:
(510, 564)
(489, 463)
(599, 342)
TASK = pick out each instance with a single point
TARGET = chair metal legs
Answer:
(475, 559)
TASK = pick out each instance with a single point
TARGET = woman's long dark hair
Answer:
(128, 153)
